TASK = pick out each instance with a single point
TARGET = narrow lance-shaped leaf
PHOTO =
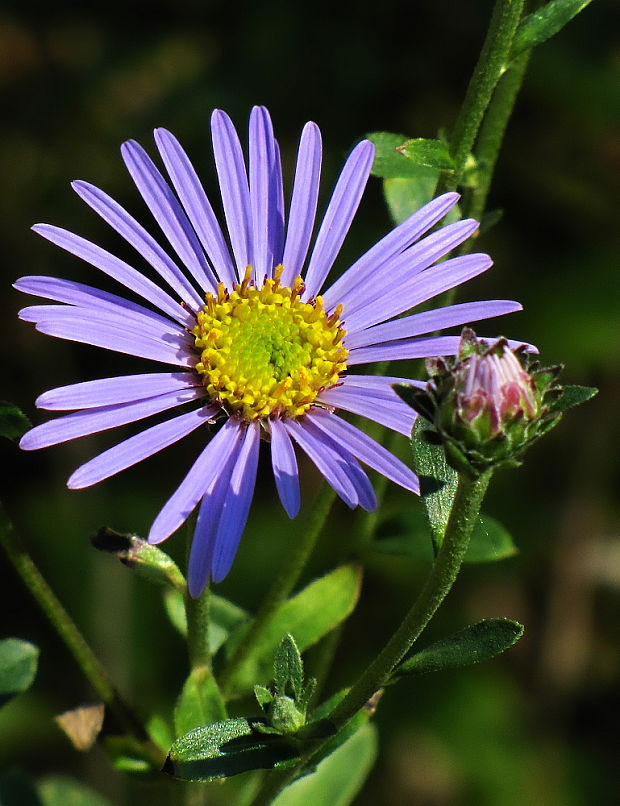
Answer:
(438, 481)
(18, 667)
(543, 23)
(288, 668)
(428, 153)
(307, 616)
(225, 749)
(475, 643)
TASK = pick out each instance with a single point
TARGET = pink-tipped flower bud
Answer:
(488, 403)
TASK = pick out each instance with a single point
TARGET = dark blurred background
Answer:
(538, 725)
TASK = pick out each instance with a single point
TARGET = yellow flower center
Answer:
(265, 352)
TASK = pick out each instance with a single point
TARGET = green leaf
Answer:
(224, 616)
(263, 695)
(225, 749)
(428, 153)
(339, 777)
(62, 791)
(13, 421)
(573, 396)
(475, 643)
(390, 162)
(490, 541)
(18, 667)
(200, 702)
(540, 25)
(438, 481)
(307, 616)
(288, 668)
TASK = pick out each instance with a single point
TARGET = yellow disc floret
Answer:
(265, 352)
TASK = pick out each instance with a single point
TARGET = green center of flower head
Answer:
(264, 352)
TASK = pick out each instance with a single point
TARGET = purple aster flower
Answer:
(238, 316)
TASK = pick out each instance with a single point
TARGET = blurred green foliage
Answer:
(537, 725)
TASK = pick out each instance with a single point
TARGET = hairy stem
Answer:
(491, 64)
(445, 569)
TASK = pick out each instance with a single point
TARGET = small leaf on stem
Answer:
(225, 749)
(543, 23)
(428, 153)
(475, 643)
(438, 481)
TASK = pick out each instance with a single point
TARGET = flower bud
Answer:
(488, 403)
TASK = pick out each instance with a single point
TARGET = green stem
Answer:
(197, 611)
(487, 72)
(492, 132)
(285, 581)
(465, 510)
(71, 636)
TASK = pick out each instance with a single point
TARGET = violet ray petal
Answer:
(331, 465)
(196, 203)
(363, 488)
(285, 471)
(209, 464)
(405, 268)
(84, 296)
(393, 414)
(261, 159)
(168, 213)
(435, 281)
(124, 323)
(236, 504)
(111, 391)
(74, 325)
(302, 211)
(276, 222)
(139, 447)
(209, 514)
(388, 247)
(157, 328)
(84, 423)
(339, 215)
(120, 271)
(377, 381)
(406, 348)
(365, 449)
(234, 188)
(428, 321)
(135, 234)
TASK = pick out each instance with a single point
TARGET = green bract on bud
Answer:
(147, 560)
(488, 404)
